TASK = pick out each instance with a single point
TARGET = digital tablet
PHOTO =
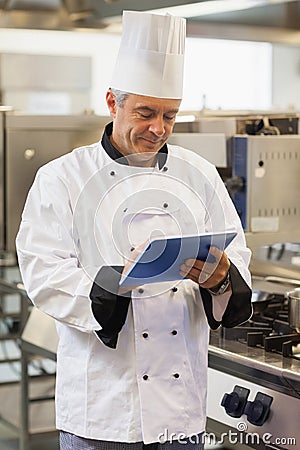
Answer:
(162, 257)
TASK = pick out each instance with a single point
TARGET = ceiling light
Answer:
(214, 7)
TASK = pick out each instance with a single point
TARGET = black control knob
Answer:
(235, 402)
(230, 402)
(258, 411)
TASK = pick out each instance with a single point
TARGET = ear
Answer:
(111, 103)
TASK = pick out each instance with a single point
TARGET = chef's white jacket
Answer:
(86, 211)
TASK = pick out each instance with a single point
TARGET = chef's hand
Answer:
(207, 274)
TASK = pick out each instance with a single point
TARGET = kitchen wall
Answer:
(226, 74)
(223, 74)
(286, 77)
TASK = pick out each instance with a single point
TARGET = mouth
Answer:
(151, 142)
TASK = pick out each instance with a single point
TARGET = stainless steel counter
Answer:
(255, 364)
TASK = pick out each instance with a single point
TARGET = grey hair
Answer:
(120, 96)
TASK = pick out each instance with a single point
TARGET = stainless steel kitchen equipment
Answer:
(254, 369)
(26, 143)
(294, 308)
(238, 122)
(39, 339)
(266, 182)
(262, 170)
(254, 380)
(211, 146)
(270, 124)
(50, 84)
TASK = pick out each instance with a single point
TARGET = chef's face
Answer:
(142, 125)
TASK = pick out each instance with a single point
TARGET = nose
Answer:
(157, 126)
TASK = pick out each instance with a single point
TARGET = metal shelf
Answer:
(27, 351)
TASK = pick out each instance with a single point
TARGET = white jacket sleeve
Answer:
(51, 272)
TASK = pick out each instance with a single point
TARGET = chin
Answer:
(146, 155)
(146, 152)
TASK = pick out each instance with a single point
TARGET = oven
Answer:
(254, 380)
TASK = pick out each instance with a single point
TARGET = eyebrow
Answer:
(148, 109)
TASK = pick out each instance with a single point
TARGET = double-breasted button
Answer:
(174, 289)
(112, 173)
(145, 377)
(132, 249)
(141, 291)
(165, 205)
(165, 169)
(145, 335)
(176, 375)
(174, 332)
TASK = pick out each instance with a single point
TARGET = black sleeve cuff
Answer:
(109, 309)
(239, 308)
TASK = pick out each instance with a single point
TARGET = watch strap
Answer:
(221, 287)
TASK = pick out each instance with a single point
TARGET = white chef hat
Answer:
(151, 55)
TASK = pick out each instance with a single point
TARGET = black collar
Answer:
(114, 154)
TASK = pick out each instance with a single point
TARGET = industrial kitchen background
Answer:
(254, 369)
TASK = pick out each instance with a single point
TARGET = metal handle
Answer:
(12, 288)
(281, 280)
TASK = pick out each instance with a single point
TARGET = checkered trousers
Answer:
(69, 441)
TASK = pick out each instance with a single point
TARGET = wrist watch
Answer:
(221, 287)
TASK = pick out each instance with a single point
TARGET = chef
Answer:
(132, 362)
